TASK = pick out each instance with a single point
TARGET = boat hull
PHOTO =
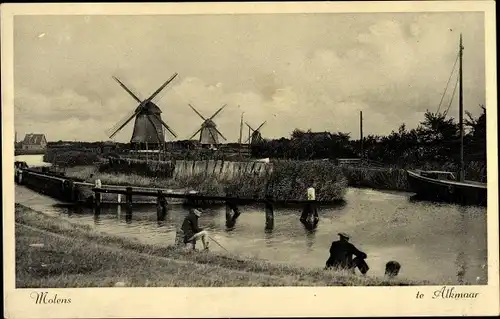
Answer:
(446, 191)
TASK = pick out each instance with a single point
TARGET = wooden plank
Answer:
(207, 198)
(225, 169)
(220, 167)
(211, 167)
(252, 166)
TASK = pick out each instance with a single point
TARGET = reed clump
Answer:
(288, 180)
(474, 170)
(378, 178)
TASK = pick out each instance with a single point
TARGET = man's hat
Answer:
(346, 236)
(197, 212)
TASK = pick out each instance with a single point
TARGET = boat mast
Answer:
(460, 105)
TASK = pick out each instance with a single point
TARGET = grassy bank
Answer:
(76, 255)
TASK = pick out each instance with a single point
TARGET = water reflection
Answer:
(461, 259)
(441, 243)
(310, 238)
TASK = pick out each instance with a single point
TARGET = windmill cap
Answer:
(346, 236)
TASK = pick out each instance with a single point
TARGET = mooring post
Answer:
(310, 215)
(269, 213)
(97, 203)
(128, 198)
(161, 206)
(232, 213)
(97, 198)
(72, 192)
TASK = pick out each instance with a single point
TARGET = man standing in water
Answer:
(191, 230)
(341, 252)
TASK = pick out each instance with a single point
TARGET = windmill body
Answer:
(209, 134)
(145, 131)
(255, 137)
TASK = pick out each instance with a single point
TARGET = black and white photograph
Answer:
(231, 148)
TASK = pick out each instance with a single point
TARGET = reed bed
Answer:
(140, 167)
(287, 181)
(474, 170)
(70, 158)
(378, 178)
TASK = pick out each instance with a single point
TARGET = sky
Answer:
(306, 71)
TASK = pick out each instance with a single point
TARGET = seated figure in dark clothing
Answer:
(192, 231)
(341, 252)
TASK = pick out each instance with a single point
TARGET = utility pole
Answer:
(361, 132)
(241, 133)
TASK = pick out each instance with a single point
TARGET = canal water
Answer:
(441, 243)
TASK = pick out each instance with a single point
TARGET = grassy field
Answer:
(52, 252)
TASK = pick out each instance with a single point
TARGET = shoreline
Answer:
(77, 255)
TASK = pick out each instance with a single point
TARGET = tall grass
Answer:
(474, 170)
(140, 167)
(378, 178)
(396, 179)
(288, 181)
(70, 158)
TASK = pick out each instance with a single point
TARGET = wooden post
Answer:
(128, 198)
(71, 191)
(232, 213)
(309, 217)
(161, 206)
(97, 203)
(269, 214)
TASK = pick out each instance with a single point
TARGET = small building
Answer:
(34, 142)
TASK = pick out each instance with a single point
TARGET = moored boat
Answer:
(443, 186)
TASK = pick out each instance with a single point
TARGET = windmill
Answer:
(254, 136)
(209, 134)
(148, 126)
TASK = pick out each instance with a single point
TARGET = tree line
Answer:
(435, 140)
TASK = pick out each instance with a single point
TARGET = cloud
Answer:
(293, 71)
